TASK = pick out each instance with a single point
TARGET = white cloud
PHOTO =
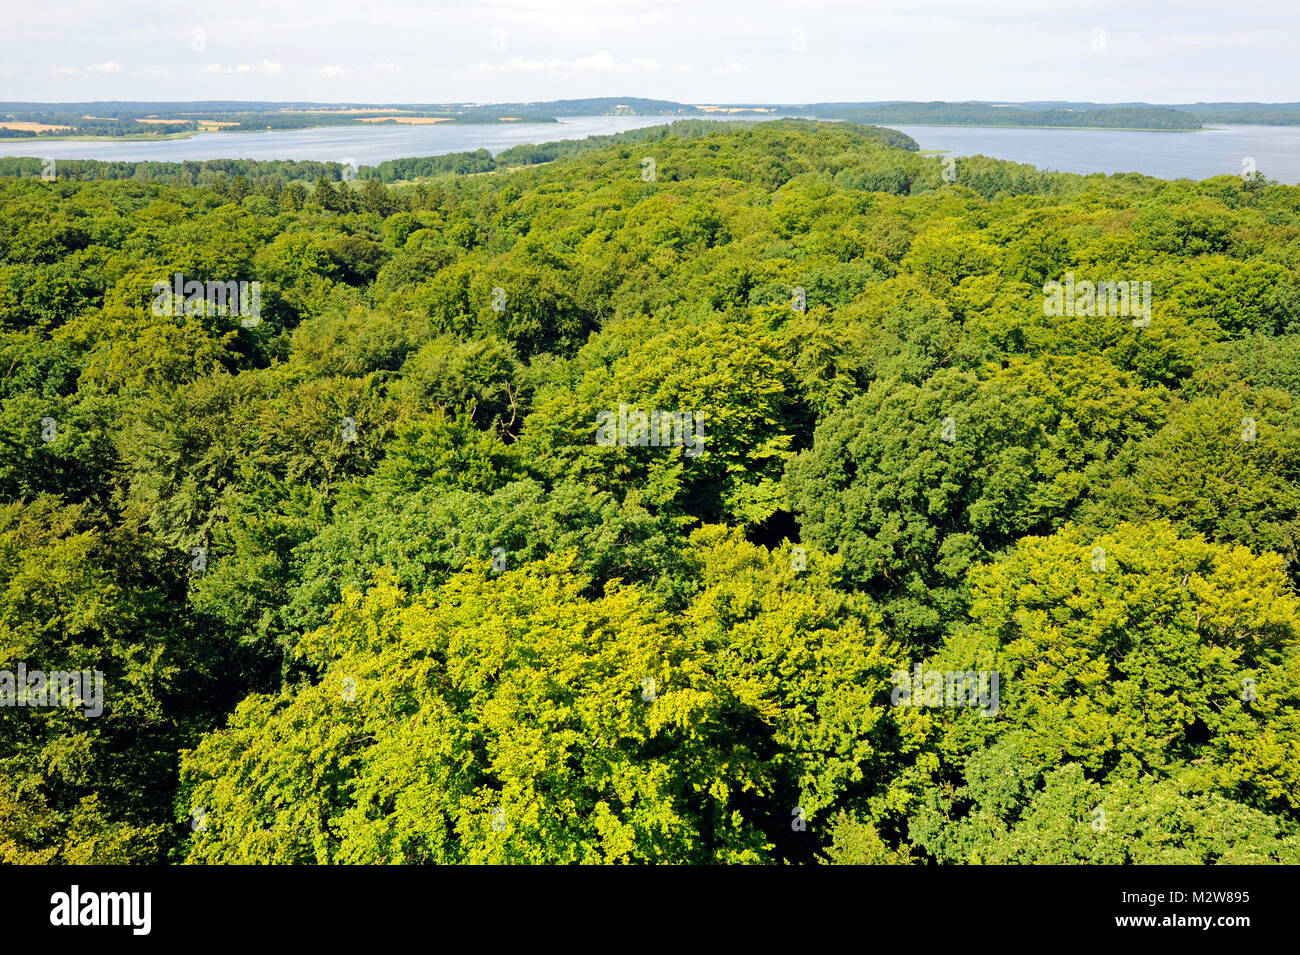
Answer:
(1001, 50)
(332, 71)
(95, 69)
(265, 68)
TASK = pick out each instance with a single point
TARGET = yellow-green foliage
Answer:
(365, 586)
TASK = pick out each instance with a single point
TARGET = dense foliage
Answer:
(1012, 114)
(366, 583)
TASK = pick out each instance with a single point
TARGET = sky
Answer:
(693, 51)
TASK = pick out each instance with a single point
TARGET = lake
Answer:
(1199, 154)
(1169, 155)
(366, 146)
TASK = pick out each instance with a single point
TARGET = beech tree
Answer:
(381, 574)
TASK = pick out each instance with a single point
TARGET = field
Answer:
(31, 127)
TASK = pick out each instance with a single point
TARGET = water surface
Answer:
(366, 145)
(1198, 154)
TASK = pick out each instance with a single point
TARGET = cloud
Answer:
(332, 71)
(265, 68)
(95, 69)
(1003, 50)
(600, 62)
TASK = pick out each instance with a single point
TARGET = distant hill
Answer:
(1261, 114)
(148, 120)
(154, 119)
(603, 106)
(1008, 114)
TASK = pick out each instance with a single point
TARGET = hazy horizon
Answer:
(509, 51)
(392, 101)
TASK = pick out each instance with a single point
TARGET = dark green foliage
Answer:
(392, 556)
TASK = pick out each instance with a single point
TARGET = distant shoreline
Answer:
(141, 138)
(191, 133)
(1099, 129)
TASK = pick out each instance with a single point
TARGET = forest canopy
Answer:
(713, 493)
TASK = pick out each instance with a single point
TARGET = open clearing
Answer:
(31, 127)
